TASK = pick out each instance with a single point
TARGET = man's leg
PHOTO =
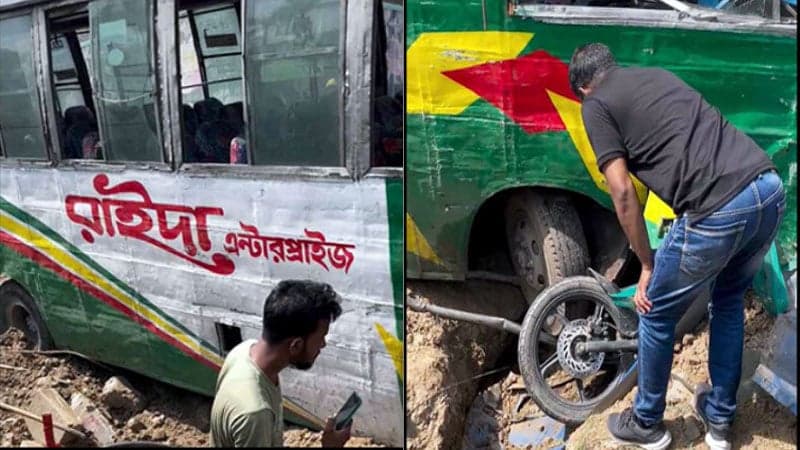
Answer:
(672, 292)
(727, 313)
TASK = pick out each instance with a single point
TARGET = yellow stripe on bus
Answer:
(41, 242)
(394, 347)
(416, 244)
(570, 112)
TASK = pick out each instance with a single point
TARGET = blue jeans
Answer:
(722, 252)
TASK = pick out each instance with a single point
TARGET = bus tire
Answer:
(545, 240)
(18, 310)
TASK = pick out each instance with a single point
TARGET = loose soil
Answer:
(451, 410)
(447, 361)
(171, 416)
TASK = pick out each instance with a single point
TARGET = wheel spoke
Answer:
(562, 384)
(598, 313)
(547, 338)
(547, 364)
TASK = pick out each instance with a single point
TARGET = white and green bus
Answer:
(163, 164)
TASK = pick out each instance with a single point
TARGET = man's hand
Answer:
(332, 437)
(643, 304)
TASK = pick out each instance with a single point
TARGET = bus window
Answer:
(211, 82)
(294, 82)
(20, 122)
(70, 50)
(388, 107)
(122, 65)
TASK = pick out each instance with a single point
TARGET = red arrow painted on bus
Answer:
(519, 86)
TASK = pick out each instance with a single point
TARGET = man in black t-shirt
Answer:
(728, 200)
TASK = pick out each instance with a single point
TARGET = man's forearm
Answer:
(629, 213)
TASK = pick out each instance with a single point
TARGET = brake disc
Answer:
(578, 366)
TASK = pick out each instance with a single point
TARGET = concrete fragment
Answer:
(30, 444)
(118, 393)
(48, 400)
(157, 421)
(135, 424)
(91, 419)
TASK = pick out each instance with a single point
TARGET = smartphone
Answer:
(345, 415)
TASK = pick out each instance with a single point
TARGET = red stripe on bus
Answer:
(42, 260)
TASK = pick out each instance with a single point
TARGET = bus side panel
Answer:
(473, 130)
(162, 259)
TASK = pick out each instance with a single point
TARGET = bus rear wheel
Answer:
(545, 240)
(17, 310)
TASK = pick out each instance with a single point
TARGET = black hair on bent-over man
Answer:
(295, 307)
(588, 62)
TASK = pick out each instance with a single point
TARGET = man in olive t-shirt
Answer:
(247, 409)
(728, 200)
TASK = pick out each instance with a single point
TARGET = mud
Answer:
(449, 361)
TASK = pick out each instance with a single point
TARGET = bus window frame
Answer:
(356, 69)
(355, 108)
(690, 18)
(45, 85)
(45, 160)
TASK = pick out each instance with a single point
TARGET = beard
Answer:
(302, 365)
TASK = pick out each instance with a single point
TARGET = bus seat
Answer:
(208, 110)
(189, 119)
(234, 114)
(78, 114)
(213, 141)
(73, 145)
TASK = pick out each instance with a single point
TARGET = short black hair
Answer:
(295, 307)
(588, 62)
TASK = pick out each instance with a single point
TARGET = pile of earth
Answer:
(151, 411)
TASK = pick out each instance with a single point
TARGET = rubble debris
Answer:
(437, 350)
(92, 419)
(118, 393)
(180, 416)
(47, 400)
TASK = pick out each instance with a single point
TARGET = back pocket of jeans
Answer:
(707, 248)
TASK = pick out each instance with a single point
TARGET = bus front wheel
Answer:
(545, 239)
(17, 310)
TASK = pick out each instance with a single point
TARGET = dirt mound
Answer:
(171, 415)
(761, 423)
(168, 415)
(448, 361)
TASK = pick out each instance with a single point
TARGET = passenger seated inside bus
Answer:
(68, 33)
(78, 124)
(211, 81)
(389, 131)
(387, 108)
